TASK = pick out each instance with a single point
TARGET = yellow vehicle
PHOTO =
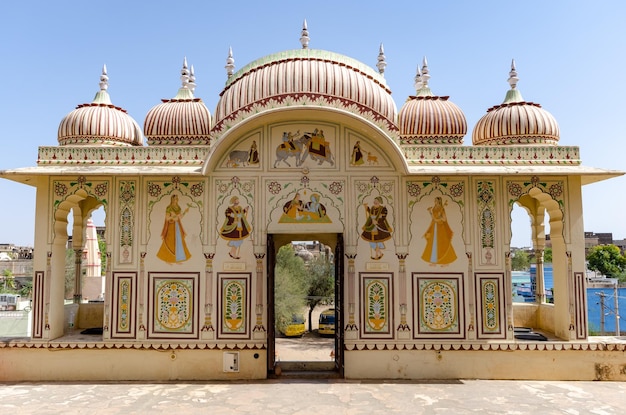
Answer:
(327, 322)
(295, 328)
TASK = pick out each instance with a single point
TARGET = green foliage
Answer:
(321, 284)
(290, 286)
(102, 246)
(547, 256)
(520, 260)
(8, 281)
(607, 260)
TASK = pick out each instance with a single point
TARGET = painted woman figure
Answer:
(173, 249)
(294, 207)
(236, 227)
(253, 154)
(438, 236)
(376, 229)
(357, 155)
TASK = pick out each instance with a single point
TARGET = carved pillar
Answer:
(46, 291)
(78, 261)
(508, 294)
(140, 292)
(540, 283)
(571, 296)
(351, 326)
(259, 328)
(472, 296)
(403, 327)
(207, 328)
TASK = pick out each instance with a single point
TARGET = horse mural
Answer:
(291, 148)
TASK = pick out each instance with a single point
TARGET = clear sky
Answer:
(570, 58)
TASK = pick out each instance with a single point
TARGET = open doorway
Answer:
(305, 273)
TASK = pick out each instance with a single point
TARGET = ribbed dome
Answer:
(516, 121)
(99, 123)
(429, 119)
(181, 120)
(325, 78)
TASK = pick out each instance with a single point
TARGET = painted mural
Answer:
(361, 157)
(439, 249)
(244, 158)
(236, 227)
(174, 246)
(298, 211)
(376, 229)
(299, 146)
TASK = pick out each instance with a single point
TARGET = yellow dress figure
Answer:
(173, 248)
(438, 237)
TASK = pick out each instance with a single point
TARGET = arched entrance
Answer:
(305, 355)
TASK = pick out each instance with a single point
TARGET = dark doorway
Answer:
(305, 288)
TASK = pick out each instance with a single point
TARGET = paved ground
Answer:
(325, 397)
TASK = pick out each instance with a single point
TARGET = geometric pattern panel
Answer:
(234, 305)
(580, 301)
(490, 306)
(376, 305)
(438, 309)
(124, 304)
(173, 305)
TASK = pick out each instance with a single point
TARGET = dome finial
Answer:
(513, 75)
(192, 79)
(104, 79)
(425, 75)
(304, 39)
(184, 74)
(382, 63)
(418, 79)
(230, 63)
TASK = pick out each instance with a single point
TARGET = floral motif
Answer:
(126, 194)
(335, 188)
(197, 189)
(436, 180)
(305, 181)
(154, 189)
(515, 189)
(386, 187)
(222, 187)
(274, 188)
(374, 180)
(246, 187)
(414, 189)
(361, 187)
(556, 190)
(456, 190)
(60, 189)
(176, 181)
(535, 180)
(81, 181)
(101, 189)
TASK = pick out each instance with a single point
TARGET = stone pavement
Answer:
(325, 397)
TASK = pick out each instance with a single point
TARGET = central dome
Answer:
(306, 77)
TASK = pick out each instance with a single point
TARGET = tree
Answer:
(547, 256)
(9, 281)
(520, 260)
(321, 284)
(607, 260)
(290, 286)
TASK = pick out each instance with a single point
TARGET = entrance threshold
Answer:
(305, 370)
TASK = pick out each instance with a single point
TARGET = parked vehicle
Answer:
(327, 322)
(295, 328)
(9, 301)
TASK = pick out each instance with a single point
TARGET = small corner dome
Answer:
(516, 121)
(305, 77)
(429, 119)
(181, 120)
(99, 123)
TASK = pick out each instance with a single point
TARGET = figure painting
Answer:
(438, 250)
(311, 145)
(360, 156)
(244, 158)
(173, 247)
(376, 229)
(236, 227)
(298, 211)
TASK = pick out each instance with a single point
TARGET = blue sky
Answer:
(570, 58)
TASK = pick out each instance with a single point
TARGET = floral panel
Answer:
(174, 305)
(490, 306)
(234, 305)
(127, 199)
(376, 305)
(487, 220)
(124, 302)
(438, 310)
